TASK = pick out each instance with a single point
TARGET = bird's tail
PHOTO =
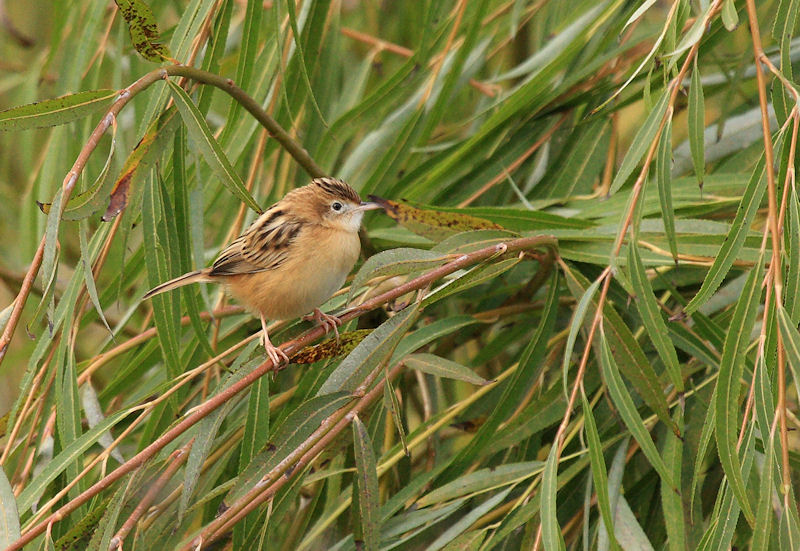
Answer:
(186, 279)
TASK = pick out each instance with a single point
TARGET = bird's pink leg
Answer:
(275, 354)
(327, 321)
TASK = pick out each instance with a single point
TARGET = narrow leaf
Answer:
(294, 430)
(482, 480)
(56, 111)
(671, 502)
(697, 124)
(367, 482)
(9, 517)
(442, 367)
(369, 352)
(599, 472)
(209, 148)
(652, 318)
(734, 240)
(551, 530)
(627, 410)
(726, 405)
(641, 143)
(664, 183)
(143, 30)
(729, 16)
(764, 513)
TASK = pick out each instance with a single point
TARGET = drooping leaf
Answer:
(9, 516)
(212, 153)
(627, 410)
(143, 29)
(442, 367)
(697, 124)
(57, 111)
(367, 483)
(726, 405)
(330, 348)
(143, 156)
(432, 224)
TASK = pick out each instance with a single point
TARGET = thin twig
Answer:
(775, 262)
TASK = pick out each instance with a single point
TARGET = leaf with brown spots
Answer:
(143, 156)
(330, 348)
(143, 29)
(433, 224)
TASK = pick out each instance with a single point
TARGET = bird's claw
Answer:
(327, 321)
(275, 354)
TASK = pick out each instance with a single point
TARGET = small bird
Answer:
(292, 259)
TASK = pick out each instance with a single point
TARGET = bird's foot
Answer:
(275, 354)
(327, 321)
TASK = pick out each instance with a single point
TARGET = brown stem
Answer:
(777, 278)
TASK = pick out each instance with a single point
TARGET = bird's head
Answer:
(335, 204)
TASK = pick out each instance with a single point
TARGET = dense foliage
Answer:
(574, 326)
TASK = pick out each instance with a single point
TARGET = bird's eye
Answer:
(337, 206)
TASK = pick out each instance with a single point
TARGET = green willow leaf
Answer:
(209, 148)
(764, 513)
(56, 111)
(367, 483)
(627, 352)
(599, 472)
(392, 262)
(551, 529)
(729, 16)
(641, 143)
(392, 405)
(672, 502)
(482, 480)
(294, 430)
(575, 325)
(143, 29)
(369, 353)
(442, 367)
(664, 183)
(652, 318)
(9, 517)
(697, 125)
(627, 410)
(68, 455)
(726, 405)
(734, 241)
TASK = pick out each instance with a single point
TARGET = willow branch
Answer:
(772, 219)
(225, 84)
(290, 348)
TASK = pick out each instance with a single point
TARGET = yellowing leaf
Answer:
(433, 224)
(143, 29)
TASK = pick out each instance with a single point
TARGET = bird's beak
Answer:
(367, 205)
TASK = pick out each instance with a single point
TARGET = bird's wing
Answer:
(264, 246)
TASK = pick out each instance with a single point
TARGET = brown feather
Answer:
(293, 257)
